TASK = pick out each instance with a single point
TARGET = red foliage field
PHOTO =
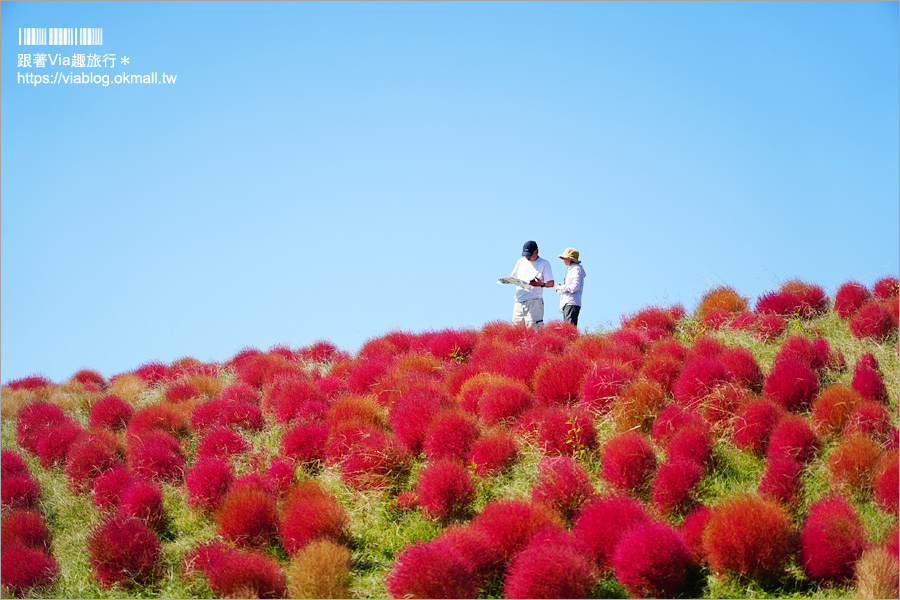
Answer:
(675, 451)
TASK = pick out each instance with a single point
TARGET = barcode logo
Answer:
(60, 36)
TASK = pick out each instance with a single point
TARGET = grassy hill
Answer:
(729, 451)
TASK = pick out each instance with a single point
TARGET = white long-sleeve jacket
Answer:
(570, 290)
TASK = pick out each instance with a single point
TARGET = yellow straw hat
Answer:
(571, 254)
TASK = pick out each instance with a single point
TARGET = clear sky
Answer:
(338, 170)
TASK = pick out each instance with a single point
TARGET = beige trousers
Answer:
(530, 312)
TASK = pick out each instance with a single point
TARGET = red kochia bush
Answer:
(699, 377)
(11, 464)
(638, 406)
(565, 431)
(26, 527)
(521, 364)
(602, 522)
(723, 297)
(769, 327)
(475, 549)
(754, 423)
(181, 391)
(662, 370)
(510, 524)
(123, 549)
(93, 453)
(794, 437)
(111, 412)
(692, 529)
(815, 354)
(261, 369)
(25, 569)
(550, 570)
(452, 343)
(502, 400)
(34, 420)
(871, 418)
(652, 561)
(493, 453)
(749, 537)
(886, 287)
(672, 486)
(629, 462)
(202, 557)
(279, 476)
(779, 303)
(294, 397)
(305, 443)
(692, 443)
(563, 484)
(242, 574)
(558, 380)
(872, 321)
(311, 512)
(91, 380)
(108, 487)
(56, 442)
(156, 455)
(849, 298)
(791, 383)
(411, 414)
(554, 337)
(222, 442)
(247, 517)
(781, 479)
(812, 297)
(207, 482)
(867, 381)
(672, 419)
(143, 500)
(158, 417)
(649, 318)
(366, 372)
(430, 570)
(241, 415)
(601, 385)
(450, 436)
(832, 406)
(445, 490)
(239, 392)
(20, 491)
(885, 486)
(831, 541)
(207, 415)
(705, 346)
(852, 464)
(367, 456)
(742, 368)
(152, 372)
(32, 382)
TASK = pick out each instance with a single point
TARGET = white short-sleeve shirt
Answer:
(527, 270)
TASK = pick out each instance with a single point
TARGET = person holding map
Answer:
(531, 274)
(570, 290)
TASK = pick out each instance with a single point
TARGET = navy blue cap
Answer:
(529, 248)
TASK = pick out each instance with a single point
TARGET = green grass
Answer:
(379, 531)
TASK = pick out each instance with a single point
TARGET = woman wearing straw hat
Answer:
(570, 290)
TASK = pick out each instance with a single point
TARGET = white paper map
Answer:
(517, 282)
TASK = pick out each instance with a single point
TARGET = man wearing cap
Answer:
(570, 291)
(529, 306)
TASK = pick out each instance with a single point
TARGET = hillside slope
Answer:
(725, 452)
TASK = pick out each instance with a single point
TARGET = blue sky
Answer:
(338, 170)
